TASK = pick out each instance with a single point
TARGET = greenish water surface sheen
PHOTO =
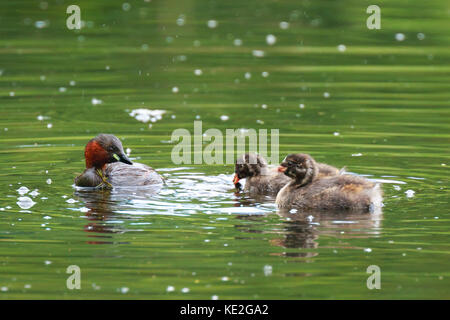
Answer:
(376, 101)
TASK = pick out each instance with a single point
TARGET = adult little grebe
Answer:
(108, 166)
(341, 192)
(260, 178)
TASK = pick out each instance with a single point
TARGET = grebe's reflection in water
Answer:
(102, 209)
(185, 195)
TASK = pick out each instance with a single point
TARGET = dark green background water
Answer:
(388, 100)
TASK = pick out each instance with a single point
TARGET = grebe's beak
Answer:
(122, 158)
(281, 169)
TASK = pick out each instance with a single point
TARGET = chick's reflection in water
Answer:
(104, 208)
(304, 229)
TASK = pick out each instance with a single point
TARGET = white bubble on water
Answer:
(34, 193)
(12, 94)
(181, 20)
(62, 89)
(185, 290)
(175, 89)
(224, 117)
(96, 287)
(49, 181)
(25, 202)
(301, 106)
(124, 290)
(212, 24)
(49, 125)
(271, 39)
(420, 36)
(284, 25)
(72, 83)
(399, 36)
(258, 53)
(47, 262)
(237, 42)
(225, 279)
(357, 154)
(96, 101)
(146, 115)
(336, 134)
(247, 75)
(170, 289)
(410, 193)
(367, 250)
(71, 200)
(41, 24)
(23, 190)
(198, 72)
(342, 48)
(126, 6)
(267, 270)
(397, 188)
(265, 74)
(326, 95)
(215, 297)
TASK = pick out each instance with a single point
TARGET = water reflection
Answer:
(102, 209)
(189, 193)
(303, 230)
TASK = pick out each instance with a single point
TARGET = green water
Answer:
(379, 107)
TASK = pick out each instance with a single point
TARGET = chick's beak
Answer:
(281, 169)
(236, 179)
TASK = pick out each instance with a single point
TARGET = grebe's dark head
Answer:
(103, 149)
(248, 165)
(300, 167)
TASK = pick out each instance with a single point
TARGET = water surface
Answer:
(347, 95)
